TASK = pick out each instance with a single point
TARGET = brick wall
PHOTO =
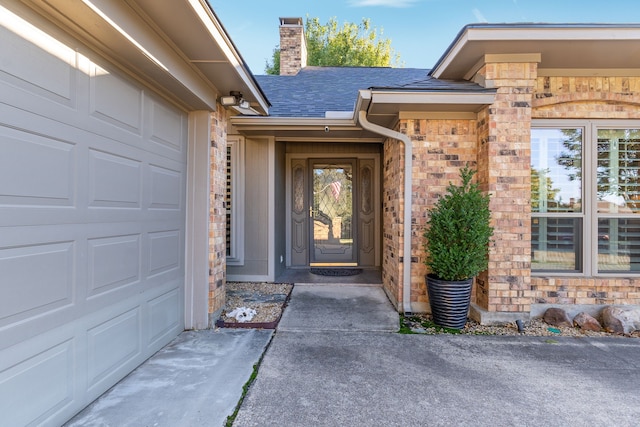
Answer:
(504, 161)
(586, 98)
(498, 144)
(440, 149)
(392, 214)
(217, 209)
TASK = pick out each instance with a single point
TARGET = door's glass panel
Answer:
(365, 190)
(332, 213)
(298, 190)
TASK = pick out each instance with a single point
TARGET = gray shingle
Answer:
(315, 90)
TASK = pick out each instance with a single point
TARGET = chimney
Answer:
(293, 46)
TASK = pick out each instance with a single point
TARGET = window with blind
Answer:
(234, 200)
(585, 198)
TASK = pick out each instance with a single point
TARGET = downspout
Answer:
(408, 178)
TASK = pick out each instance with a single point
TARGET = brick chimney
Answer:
(293, 46)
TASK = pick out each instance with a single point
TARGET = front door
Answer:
(332, 211)
(332, 216)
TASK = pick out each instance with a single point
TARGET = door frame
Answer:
(329, 156)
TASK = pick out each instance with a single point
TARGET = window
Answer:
(234, 200)
(585, 198)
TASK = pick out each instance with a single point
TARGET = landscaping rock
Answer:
(621, 320)
(557, 317)
(586, 322)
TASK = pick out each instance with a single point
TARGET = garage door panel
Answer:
(114, 263)
(164, 252)
(167, 127)
(30, 291)
(116, 101)
(165, 188)
(112, 345)
(26, 51)
(22, 401)
(36, 170)
(114, 180)
(164, 317)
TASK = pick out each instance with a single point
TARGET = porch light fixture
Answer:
(234, 99)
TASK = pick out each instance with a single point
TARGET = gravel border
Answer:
(267, 313)
(422, 324)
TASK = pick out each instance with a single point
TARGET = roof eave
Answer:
(385, 107)
(561, 45)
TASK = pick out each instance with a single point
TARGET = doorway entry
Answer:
(332, 214)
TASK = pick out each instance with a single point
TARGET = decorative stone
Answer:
(587, 322)
(621, 320)
(557, 317)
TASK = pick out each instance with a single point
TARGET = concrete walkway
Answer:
(321, 307)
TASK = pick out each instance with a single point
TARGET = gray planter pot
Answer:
(449, 301)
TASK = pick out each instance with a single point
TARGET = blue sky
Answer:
(420, 30)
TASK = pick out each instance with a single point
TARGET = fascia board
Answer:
(208, 19)
(444, 97)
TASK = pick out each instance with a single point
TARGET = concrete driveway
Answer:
(336, 360)
(317, 375)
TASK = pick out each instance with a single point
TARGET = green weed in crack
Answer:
(245, 388)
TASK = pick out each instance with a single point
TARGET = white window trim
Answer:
(237, 145)
(590, 215)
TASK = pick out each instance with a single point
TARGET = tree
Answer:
(349, 45)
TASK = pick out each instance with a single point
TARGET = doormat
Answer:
(336, 271)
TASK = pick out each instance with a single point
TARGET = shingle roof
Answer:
(316, 90)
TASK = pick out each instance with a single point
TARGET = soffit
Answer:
(561, 46)
(307, 129)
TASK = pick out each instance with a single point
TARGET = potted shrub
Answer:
(457, 240)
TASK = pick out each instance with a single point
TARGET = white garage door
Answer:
(92, 202)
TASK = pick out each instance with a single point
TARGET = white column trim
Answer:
(196, 310)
